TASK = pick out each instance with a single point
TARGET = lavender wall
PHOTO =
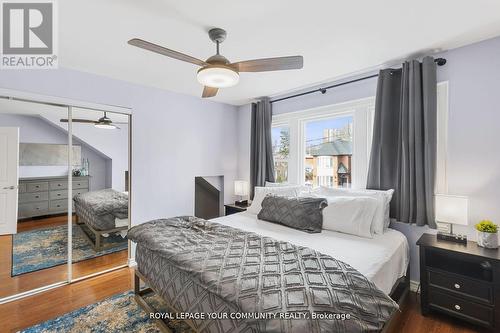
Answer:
(175, 137)
(473, 161)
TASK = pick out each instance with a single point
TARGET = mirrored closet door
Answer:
(100, 191)
(64, 193)
(33, 226)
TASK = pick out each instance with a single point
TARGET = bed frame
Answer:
(97, 245)
(399, 293)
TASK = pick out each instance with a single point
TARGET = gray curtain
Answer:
(403, 155)
(261, 150)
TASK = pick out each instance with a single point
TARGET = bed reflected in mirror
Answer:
(100, 191)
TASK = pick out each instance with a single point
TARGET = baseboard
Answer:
(414, 285)
(132, 262)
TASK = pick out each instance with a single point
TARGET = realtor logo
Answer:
(28, 34)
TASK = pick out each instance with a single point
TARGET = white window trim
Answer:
(362, 111)
(442, 137)
(363, 123)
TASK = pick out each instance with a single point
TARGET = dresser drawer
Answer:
(56, 195)
(460, 285)
(37, 187)
(77, 184)
(33, 197)
(33, 209)
(22, 188)
(58, 185)
(79, 191)
(459, 307)
(58, 205)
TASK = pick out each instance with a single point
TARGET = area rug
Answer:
(43, 248)
(119, 313)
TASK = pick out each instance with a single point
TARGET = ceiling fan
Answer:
(102, 123)
(218, 72)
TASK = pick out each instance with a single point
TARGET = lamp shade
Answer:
(240, 187)
(452, 209)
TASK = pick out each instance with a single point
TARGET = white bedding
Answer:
(383, 258)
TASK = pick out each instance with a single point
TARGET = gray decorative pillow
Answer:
(295, 212)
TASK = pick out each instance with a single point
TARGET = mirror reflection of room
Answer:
(34, 251)
(33, 247)
(100, 211)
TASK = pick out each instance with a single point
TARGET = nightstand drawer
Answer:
(461, 308)
(457, 284)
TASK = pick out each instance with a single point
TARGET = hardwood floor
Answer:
(10, 285)
(412, 321)
(38, 308)
(29, 311)
(37, 223)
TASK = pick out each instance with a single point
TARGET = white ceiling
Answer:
(336, 37)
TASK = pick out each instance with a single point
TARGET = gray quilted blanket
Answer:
(102, 202)
(262, 275)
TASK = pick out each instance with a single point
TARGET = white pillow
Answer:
(261, 192)
(350, 215)
(387, 207)
(384, 199)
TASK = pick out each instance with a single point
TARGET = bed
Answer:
(383, 260)
(385, 257)
(102, 212)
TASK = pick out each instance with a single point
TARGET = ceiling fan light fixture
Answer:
(104, 126)
(218, 77)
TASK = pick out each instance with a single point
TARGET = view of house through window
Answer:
(281, 151)
(328, 144)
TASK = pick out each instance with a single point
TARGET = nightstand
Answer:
(460, 280)
(233, 209)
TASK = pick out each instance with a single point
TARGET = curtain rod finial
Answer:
(440, 61)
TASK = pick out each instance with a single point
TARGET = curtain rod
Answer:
(438, 61)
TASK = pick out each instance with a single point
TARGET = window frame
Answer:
(278, 125)
(362, 111)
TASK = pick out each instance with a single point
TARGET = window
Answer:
(330, 146)
(328, 155)
(327, 146)
(281, 151)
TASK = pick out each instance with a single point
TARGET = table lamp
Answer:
(452, 209)
(241, 189)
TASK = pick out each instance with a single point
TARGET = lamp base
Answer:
(449, 237)
(242, 203)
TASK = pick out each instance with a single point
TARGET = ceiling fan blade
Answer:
(120, 122)
(270, 64)
(164, 51)
(209, 92)
(80, 121)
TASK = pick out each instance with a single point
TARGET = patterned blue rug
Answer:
(119, 313)
(44, 248)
